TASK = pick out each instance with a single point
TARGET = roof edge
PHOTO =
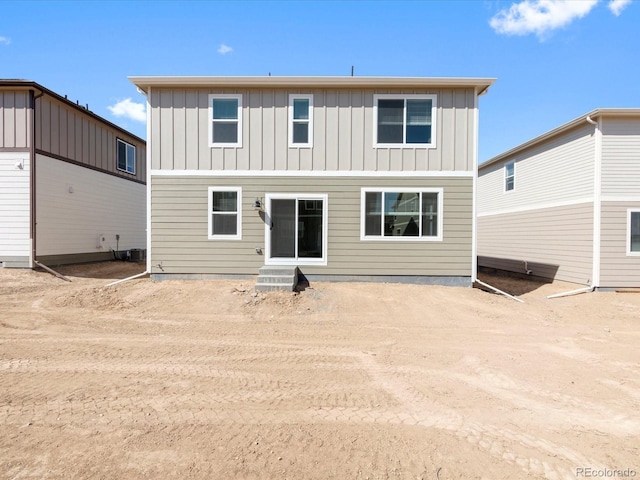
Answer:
(30, 84)
(598, 112)
(144, 82)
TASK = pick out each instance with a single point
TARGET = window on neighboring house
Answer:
(404, 120)
(300, 120)
(225, 213)
(402, 214)
(126, 156)
(225, 113)
(633, 233)
(509, 176)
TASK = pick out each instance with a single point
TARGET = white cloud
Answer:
(5, 40)
(540, 16)
(128, 109)
(224, 49)
(616, 6)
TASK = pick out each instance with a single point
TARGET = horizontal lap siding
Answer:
(99, 204)
(343, 132)
(621, 157)
(556, 171)
(15, 223)
(179, 228)
(557, 240)
(617, 268)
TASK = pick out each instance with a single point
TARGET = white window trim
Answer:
(404, 96)
(210, 123)
(382, 238)
(629, 212)
(325, 229)
(238, 235)
(297, 96)
(504, 181)
(135, 154)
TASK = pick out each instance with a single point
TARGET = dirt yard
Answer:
(207, 379)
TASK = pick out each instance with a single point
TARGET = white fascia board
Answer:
(142, 82)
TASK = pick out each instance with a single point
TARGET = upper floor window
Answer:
(126, 156)
(404, 120)
(509, 176)
(401, 214)
(633, 232)
(225, 114)
(300, 120)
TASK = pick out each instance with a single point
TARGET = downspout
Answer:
(148, 171)
(474, 195)
(32, 176)
(597, 202)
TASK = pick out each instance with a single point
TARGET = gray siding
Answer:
(343, 133)
(559, 170)
(556, 242)
(63, 131)
(15, 120)
(617, 268)
(179, 227)
(621, 157)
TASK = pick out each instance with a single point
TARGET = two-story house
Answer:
(72, 184)
(566, 204)
(352, 178)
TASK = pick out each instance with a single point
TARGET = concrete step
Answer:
(273, 287)
(272, 278)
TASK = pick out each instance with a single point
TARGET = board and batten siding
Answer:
(76, 206)
(557, 171)
(617, 269)
(15, 119)
(179, 227)
(65, 132)
(621, 157)
(555, 242)
(342, 136)
(15, 215)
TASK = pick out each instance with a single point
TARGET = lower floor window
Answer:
(634, 232)
(402, 214)
(225, 213)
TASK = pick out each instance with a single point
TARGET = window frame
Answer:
(238, 213)
(292, 120)
(419, 238)
(507, 177)
(238, 120)
(126, 160)
(630, 212)
(405, 97)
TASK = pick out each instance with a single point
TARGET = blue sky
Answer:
(554, 60)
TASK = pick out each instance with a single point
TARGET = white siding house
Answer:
(344, 177)
(72, 184)
(566, 204)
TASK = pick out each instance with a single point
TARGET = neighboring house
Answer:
(72, 185)
(566, 204)
(344, 177)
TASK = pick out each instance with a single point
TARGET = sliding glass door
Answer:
(296, 229)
